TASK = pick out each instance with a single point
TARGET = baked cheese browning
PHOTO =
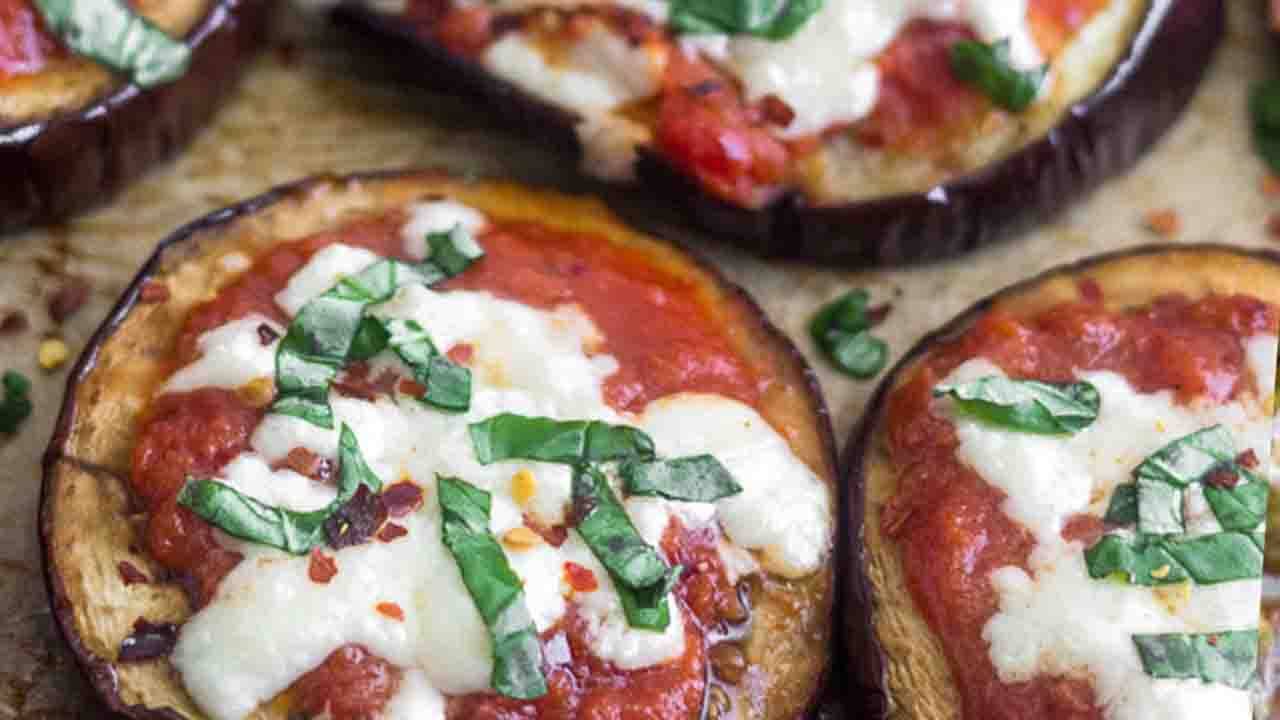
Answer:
(998, 525)
(544, 325)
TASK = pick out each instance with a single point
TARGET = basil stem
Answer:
(1190, 458)
(989, 68)
(112, 33)
(1027, 405)
(1208, 559)
(290, 530)
(17, 401)
(495, 589)
(518, 437)
(841, 329)
(639, 573)
(700, 478)
(1228, 658)
(770, 19)
(1264, 111)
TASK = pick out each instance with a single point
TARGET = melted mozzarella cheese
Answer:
(322, 271)
(1057, 620)
(438, 216)
(231, 356)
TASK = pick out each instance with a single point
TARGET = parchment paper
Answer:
(313, 104)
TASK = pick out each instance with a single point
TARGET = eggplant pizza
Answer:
(1057, 502)
(409, 447)
(92, 92)
(853, 130)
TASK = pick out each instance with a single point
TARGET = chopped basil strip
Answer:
(841, 329)
(112, 33)
(1189, 458)
(454, 251)
(639, 573)
(990, 69)
(1208, 559)
(1123, 509)
(1242, 507)
(17, 401)
(293, 531)
(1159, 508)
(518, 437)
(1227, 658)
(448, 385)
(770, 19)
(700, 478)
(1027, 405)
(495, 589)
(1264, 110)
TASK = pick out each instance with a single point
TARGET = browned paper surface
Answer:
(311, 104)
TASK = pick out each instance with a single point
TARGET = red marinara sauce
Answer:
(637, 306)
(947, 520)
(25, 45)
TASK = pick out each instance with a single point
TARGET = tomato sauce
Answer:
(660, 329)
(25, 46)
(948, 521)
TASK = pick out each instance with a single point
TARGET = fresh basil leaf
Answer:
(840, 330)
(371, 338)
(1190, 458)
(1123, 509)
(1227, 658)
(294, 532)
(1208, 559)
(770, 19)
(448, 385)
(1243, 507)
(112, 33)
(1027, 405)
(1140, 561)
(647, 609)
(699, 478)
(989, 68)
(1159, 508)
(494, 587)
(17, 401)
(607, 530)
(1217, 558)
(454, 251)
(518, 437)
(1264, 110)
(847, 312)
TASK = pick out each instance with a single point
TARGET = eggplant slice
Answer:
(79, 134)
(89, 525)
(1089, 137)
(879, 615)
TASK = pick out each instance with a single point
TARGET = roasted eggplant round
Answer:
(73, 132)
(977, 581)
(137, 613)
(872, 190)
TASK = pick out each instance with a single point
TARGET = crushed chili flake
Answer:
(391, 531)
(1270, 185)
(357, 521)
(554, 535)
(1090, 290)
(68, 299)
(1224, 478)
(358, 382)
(267, 334)
(1165, 223)
(305, 462)
(877, 314)
(1248, 459)
(412, 388)
(402, 498)
(1213, 640)
(462, 353)
(148, 641)
(153, 292)
(321, 568)
(705, 88)
(391, 610)
(581, 579)
(776, 111)
(130, 574)
(13, 321)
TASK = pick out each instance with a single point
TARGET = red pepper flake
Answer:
(462, 353)
(1212, 640)
(305, 462)
(776, 111)
(13, 321)
(1090, 290)
(68, 299)
(130, 574)
(579, 578)
(391, 532)
(412, 388)
(402, 498)
(357, 521)
(554, 535)
(1270, 185)
(1248, 459)
(148, 641)
(153, 292)
(1225, 478)
(267, 334)
(391, 610)
(877, 314)
(321, 567)
(1166, 222)
(358, 382)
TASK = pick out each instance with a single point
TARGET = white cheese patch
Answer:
(437, 216)
(322, 271)
(415, 699)
(231, 356)
(252, 476)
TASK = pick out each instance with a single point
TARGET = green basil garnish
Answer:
(290, 530)
(1189, 458)
(448, 385)
(639, 573)
(1242, 507)
(1123, 509)
(17, 401)
(1228, 658)
(1264, 111)
(700, 478)
(989, 68)
(112, 33)
(453, 251)
(1027, 405)
(495, 589)
(769, 19)
(1154, 560)
(842, 330)
(518, 437)
(1159, 508)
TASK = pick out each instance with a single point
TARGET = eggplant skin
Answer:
(57, 166)
(1096, 138)
(875, 616)
(88, 523)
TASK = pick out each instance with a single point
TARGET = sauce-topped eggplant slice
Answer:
(1056, 502)
(854, 131)
(405, 445)
(93, 92)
